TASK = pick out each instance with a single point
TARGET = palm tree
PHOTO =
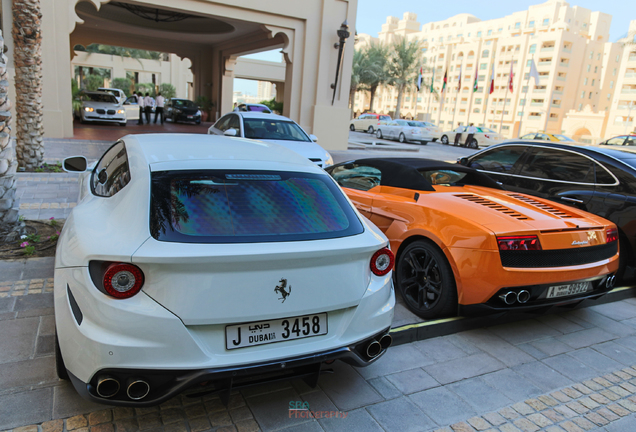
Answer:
(10, 226)
(27, 58)
(403, 66)
(377, 73)
(360, 63)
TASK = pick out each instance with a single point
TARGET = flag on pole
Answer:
(459, 83)
(445, 81)
(511, 77)
(534, 73)
(492, 79)
(419, 80)
(475, 86)
(432, 81)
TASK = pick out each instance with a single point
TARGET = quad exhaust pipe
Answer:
(610, 281)
(511, 297)
(107, 386)
(137, 389)
(376, 347)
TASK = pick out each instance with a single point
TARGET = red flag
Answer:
(459, 83)
(445, 80)
(492, 79)
(511, 77)
(475, 85)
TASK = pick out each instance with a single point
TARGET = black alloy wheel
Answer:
(473, 144)
(425, 281)
(370, 130)
(352, 128)
(402, 138)
(379, 134)
(444, 140)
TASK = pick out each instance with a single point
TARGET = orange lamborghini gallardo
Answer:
(463, 243)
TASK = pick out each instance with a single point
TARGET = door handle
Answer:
(574, 200)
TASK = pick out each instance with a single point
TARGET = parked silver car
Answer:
(408, 130)
(101, 107)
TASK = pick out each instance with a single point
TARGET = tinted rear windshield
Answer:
(247, 207)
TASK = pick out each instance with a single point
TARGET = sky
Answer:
(372, 14)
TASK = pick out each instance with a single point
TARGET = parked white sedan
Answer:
(408, 130)
(272, 128)
(101, 107)
(484, 137)
(204, 263)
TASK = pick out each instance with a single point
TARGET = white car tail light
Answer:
(123, 280)
(382, 262)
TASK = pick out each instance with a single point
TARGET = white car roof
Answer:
(261, 115)
(167, 149)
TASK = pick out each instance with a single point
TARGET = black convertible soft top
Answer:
(406, 172)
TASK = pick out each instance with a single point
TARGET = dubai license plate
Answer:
(265, 332)
(190, 116)
(569, 289)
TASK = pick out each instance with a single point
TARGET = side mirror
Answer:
(463, 161)
(231, 132)
(313, 137)
(75, 164)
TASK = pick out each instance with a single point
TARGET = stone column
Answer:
(10, 226)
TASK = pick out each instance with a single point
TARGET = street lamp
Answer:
(343, 35)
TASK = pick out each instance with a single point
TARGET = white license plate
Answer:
(265, 332)
(569, 289)
(190, 116)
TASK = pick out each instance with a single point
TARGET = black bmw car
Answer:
(600, 180)
(182, 110)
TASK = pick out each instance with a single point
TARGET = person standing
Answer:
(471, 133)
(140, 103)
(159, 107)
(148, 104)
(458, 133)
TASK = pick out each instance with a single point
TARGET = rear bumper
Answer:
(538, 300)
(165, 384)
(186, 118)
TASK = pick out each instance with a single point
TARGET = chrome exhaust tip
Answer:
(137, 389)
(107, 386)
(610, 281)
(523, 296)
(509, 298)
(386, 341)
(374, 349)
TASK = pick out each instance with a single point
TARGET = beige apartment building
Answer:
(578, 69)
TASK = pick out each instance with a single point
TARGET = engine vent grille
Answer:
(493, 205)
(543, 206)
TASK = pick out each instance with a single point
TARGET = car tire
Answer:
(81, 119)
(60, 368)
(402, 138)
(444, 140)
(370, 130)
(428, 286)
(378, 134)
(352, 128)
(173, 119)
(473, 144)
(122, 124)
(423, 142)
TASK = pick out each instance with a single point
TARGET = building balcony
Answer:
(536, 103)
(555, 105)
(547, 49)
(553, 119)
(630, 75)
(564, 64)
(631, 58)
(558, 92)
(567, 50)
(561, 78)
(628, 91)
(545, 63)
(538, 90)
(534, 118)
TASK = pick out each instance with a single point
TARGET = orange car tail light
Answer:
(611, 235)
(123, 280)
(382, 262)
(519, 243)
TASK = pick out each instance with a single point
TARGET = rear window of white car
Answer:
(247, 207)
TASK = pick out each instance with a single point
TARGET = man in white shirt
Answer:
(159, 107)
(148, 104)
(140, 103)
(458, 133)
(471, 133)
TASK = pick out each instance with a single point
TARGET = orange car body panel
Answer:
(465, 221)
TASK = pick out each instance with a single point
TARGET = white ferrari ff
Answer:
(204, 263)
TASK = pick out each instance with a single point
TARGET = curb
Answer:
(445, 326)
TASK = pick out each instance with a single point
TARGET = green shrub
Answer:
(123, 84)
(273, 105)
(93, 82)
(146, 88)
(167, 90)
